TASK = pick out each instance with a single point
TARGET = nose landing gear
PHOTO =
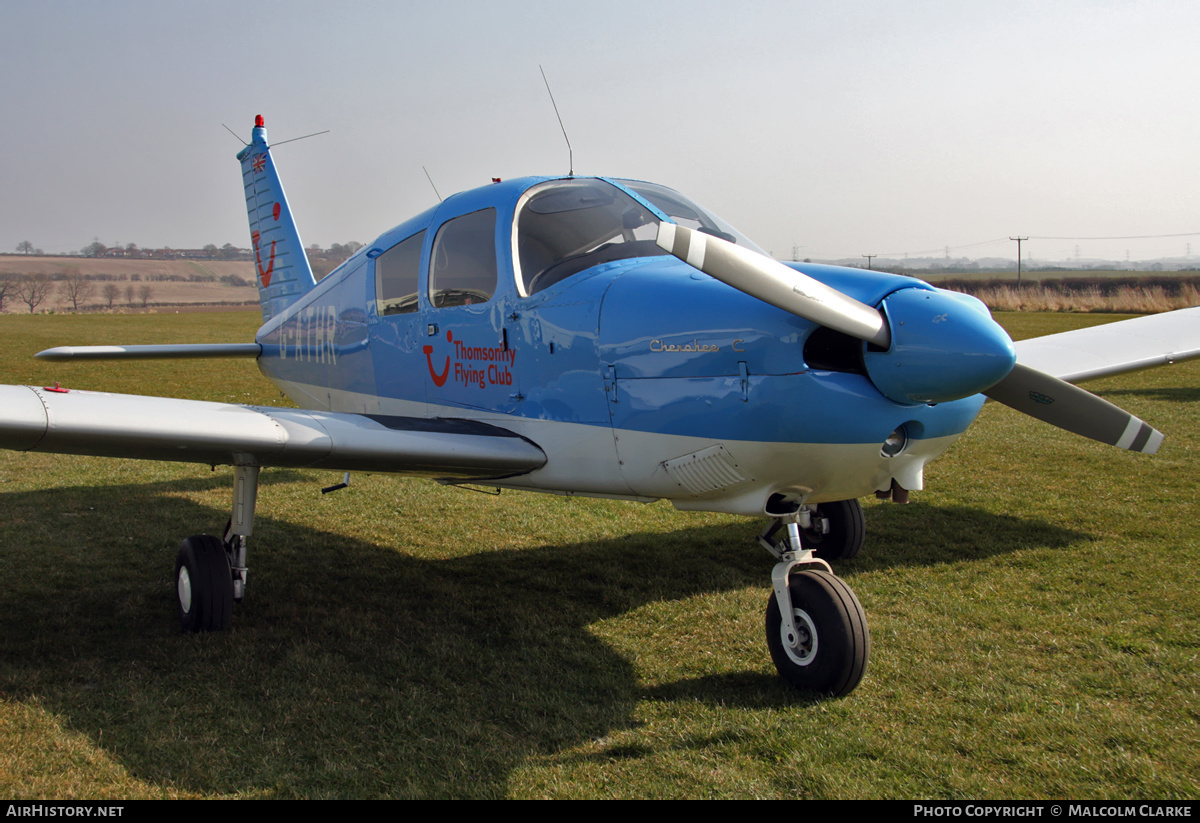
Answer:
(816, 628)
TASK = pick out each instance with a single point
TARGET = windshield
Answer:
(566, 226)
(686, 213)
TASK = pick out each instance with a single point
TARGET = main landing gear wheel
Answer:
(829, 656)
(204, 584)
(847, 528)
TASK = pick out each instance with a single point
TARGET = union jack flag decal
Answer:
(259, 163)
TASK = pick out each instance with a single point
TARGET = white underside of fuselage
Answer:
(694, 473)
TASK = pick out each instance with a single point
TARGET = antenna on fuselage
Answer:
(570, 151)
(430, 179)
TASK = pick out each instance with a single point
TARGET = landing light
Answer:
(895, 443)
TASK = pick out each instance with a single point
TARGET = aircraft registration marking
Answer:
(310, 336)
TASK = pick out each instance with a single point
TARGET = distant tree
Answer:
(210, 251)
(131, 250)
(130, 293)
(6, 287)
(76, 289)
(32, 289)
(25, 247)
(144, 294)
(94, 249)
(228, 251)
(111, 292)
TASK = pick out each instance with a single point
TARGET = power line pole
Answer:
(1018, 239)
(869, 256)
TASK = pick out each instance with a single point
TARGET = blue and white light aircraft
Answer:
(610, 338)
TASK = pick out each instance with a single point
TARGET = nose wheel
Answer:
(826, 645)
(816, 628)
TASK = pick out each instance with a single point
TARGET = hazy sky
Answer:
(845, 128)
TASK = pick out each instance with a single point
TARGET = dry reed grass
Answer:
(1150, 300)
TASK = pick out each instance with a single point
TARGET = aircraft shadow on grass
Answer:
(354, 669)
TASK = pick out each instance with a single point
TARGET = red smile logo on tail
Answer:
(439, 380)
(263, 274)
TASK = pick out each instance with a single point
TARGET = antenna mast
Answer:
(570, 151)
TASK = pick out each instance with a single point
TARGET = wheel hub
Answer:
(801, 647)
(184, 588)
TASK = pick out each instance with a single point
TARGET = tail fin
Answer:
(282, 268)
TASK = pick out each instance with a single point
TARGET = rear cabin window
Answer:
(396, 272)
(565, 227)
(462, 268)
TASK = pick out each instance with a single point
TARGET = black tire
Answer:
(847, 528)
(203, 585)
(836, 642)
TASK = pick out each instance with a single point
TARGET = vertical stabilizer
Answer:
(280, 264)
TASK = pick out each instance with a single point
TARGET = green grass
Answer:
(1033, 617)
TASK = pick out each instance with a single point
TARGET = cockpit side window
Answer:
(396, 272)
(462, 267)
(566, 226)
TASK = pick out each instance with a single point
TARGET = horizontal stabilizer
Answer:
(182, 351)
(191, 431)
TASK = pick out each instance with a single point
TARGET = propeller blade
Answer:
(1069, 407)
(774, 283)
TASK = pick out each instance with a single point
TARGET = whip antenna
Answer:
(570, 151)
(294, 139)
(435, 191)
(234, 133)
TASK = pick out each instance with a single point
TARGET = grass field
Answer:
(1033, 614)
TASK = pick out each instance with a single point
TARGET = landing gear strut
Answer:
(834, 531)
(210, 573)
(816, 629)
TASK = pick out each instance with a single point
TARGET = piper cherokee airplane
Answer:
(611, 338)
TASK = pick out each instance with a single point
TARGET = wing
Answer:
(1114, 348)
(158, 428)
